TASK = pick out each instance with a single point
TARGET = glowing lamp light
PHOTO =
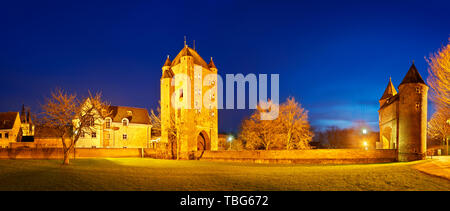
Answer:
(364, 131)
(366, 146)
(230, 138)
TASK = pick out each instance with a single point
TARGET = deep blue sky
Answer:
(335, 57)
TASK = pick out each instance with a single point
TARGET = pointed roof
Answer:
(168, 73)
(211, 64)
(389, 91)
(168, 62)
(7, 120)
(134, 115)
(186, 51)
(412, 76)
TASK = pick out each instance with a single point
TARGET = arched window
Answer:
(125, 122)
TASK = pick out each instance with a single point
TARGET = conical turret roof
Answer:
(168, 62)
(412, 76)
(168, 74)
(389, 91)
(211, 64)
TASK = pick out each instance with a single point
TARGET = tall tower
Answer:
(412, 117)
(188, 104)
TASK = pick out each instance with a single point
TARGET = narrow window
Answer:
(418, 90)
(0, 135)
(108, 123)
(125, 122)
(124, 136)
(94, 135)
(82, 134)
(417, 106)
(181, 94)
(6, 135)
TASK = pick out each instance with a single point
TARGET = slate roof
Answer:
(389, 91)
(168, 73)
(412, 76)
(390, 101)
(168, 62)
(211, 64)
(7, 120)
(138, 115)
(186, 51)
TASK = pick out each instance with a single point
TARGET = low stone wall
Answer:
(57, 153)
(315, 156)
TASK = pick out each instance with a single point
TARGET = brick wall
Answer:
(57, 153)
(324, 156)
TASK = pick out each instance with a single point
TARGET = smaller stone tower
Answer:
(412, 116)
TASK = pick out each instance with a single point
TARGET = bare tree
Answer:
(70, 118)
(291, 130)
(439, 127)
(173, 139)
(439, 77)
(260, 134)
(295, 126)
(439, 82)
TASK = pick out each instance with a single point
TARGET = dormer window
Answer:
(129, 113)
(125, 122)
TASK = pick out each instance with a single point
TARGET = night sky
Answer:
(335, 57)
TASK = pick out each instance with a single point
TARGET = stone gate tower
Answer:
(188, 103)
(403, 117)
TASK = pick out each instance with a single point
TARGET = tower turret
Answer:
(212, 66)
(388, 92)
(412, 116)
(166, 91)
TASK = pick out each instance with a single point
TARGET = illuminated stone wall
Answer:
(317, 156)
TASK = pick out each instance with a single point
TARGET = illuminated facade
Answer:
(403, 117)
(189, 105)
(125, 127)
(10, 131)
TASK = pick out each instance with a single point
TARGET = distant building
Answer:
(403, 117)
(26, 124)
(126, 127)
(183, 107)
(10, 128)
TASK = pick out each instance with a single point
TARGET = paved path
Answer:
(438, 166)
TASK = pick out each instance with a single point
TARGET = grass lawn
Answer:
(151, 174)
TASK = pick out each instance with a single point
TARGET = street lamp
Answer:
(364, 131)
(230, 140)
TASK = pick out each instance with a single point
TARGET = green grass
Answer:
(151, 174)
